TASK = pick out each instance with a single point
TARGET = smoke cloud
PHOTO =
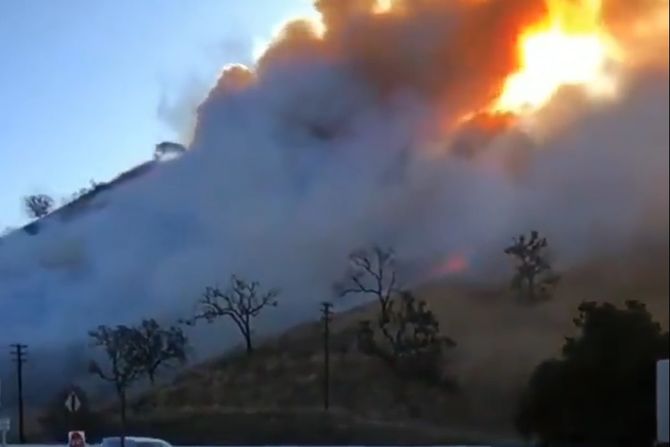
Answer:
(347, 136)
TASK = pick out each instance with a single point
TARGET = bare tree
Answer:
(156, 347)
(534, 278)
(119, 346)
(407, 334)
(372, 273)
(241, 302)
(38, 205)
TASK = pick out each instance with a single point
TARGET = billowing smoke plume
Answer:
(354, 135)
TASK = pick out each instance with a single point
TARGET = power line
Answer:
(19, 354)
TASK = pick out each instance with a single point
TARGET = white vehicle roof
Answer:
(134, 439)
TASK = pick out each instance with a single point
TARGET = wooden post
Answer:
(326, 316)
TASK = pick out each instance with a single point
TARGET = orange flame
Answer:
(382, 6)
(453, 265)
(569, 47)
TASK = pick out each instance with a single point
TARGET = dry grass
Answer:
(499, 343)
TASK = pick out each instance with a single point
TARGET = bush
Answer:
(602, 390)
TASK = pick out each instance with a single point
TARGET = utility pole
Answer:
(19, 357)
(326, 316)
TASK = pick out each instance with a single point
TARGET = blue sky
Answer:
(81, 81)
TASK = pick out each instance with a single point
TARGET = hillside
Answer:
(275, 395)
(87, 200)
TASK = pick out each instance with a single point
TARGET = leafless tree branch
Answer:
(241, 302)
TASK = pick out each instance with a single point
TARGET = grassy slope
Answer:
(275, 395)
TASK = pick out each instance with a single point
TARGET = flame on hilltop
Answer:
(569, 47)
(470, 58)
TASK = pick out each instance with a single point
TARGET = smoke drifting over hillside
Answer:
(381, 127)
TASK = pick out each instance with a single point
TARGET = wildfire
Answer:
(568, 48)
(454, 264)
(382, 6)
(568, 45)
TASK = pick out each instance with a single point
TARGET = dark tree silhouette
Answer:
(241, 302)
(167, 149)
(81, 193)
(406, 334)
(371, 273)
(409, 340)
(156, 347)
(534, 279)
(38, 205)
(602, 390)
(120, 347)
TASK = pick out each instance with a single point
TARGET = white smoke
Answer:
(286, 177)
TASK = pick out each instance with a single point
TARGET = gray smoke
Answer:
(293, 167)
